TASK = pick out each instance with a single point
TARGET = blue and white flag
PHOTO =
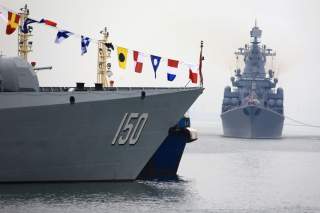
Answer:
(62, 35)
(85, 41)
(25, 27)
(155, 60)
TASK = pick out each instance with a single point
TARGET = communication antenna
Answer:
(104, 54)
(24, 45)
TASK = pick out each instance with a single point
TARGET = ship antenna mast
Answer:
(24, 45)
(200, 64)
(104, 54)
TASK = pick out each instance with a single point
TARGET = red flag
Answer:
(138, 61)
(193, 76)
(13, 22)
(173, 63)
(48, 22)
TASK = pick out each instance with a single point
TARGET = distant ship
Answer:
(100, 133)
(253, 107)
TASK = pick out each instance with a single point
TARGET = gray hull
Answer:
(45, 138)
(252, 122)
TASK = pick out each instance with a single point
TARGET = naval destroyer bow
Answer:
(100, 133)
(253, 107)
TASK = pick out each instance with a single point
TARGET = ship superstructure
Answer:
(253, 106)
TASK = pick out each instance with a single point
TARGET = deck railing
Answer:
(71, 89)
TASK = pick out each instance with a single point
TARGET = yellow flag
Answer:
(13, 22)
(122, 57)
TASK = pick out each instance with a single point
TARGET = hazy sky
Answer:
(174, 29)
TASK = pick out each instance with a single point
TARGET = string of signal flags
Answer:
(13, 19)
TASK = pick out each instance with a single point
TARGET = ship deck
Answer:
(71, 89)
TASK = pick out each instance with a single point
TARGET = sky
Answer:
(174, 29)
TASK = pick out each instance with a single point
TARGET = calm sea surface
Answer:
(216, 175)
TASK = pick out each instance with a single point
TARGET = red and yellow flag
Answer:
(13, 22)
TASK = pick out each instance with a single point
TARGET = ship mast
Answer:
(104, 55)
(24, 45)
(201, 59)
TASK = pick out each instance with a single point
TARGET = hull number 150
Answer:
(130, 128)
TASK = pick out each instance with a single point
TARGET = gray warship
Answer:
(253, 107)
(100, 133)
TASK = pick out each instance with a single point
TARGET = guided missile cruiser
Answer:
(253, 106)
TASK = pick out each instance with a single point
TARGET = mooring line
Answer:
(302, 123)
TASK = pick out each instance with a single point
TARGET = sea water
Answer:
(216, 174)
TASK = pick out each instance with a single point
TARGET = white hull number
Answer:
(130, 128)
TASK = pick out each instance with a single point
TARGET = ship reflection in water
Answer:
(217, 174)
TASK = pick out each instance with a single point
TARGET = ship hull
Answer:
(165, 162)
(49, 139)
(252, 122)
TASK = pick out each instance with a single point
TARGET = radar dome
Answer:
(17, 75)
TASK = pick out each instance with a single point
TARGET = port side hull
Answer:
(252, 122)
(67, 142)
